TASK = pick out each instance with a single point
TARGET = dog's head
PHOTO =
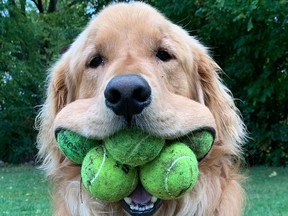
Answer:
(133, 67)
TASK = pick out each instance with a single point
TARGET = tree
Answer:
(29, 42)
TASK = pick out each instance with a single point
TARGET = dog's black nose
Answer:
(127, 95)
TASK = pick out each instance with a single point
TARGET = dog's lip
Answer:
(168, 138)
(179, 137)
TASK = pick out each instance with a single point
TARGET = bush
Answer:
(29, 42)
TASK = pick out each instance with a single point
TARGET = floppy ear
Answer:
(58, 90)
(218, 98)
(56, 99)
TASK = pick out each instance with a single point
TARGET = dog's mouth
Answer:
(141, 203)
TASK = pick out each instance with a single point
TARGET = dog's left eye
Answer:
(163, 55)
(96, 61)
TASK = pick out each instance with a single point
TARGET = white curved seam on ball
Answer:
(101, 165)
(140, 142)
(169, 169)
(135, 178)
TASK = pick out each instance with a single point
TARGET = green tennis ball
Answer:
(74, 146)
(172, 174)
(134, 147)
(105, 178)
(200, 142)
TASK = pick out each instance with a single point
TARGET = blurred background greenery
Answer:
(248, 39)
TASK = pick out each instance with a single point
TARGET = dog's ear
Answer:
(219, 100)
(61, 84)
(58, 89)
(56, 99)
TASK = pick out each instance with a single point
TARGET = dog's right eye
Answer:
(163, 55)
(96, 61)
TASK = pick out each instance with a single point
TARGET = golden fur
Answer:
(187, 94)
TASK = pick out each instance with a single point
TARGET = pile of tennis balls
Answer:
(112, 169)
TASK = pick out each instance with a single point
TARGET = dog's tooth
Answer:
(128, 200)
(132, 207)
(150, 206)
(154, 199)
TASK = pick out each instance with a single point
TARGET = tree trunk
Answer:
(39, 5)
(23, 6)
(52, 6)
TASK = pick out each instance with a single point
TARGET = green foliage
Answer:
(28, 45)
(19, 66)
(249, 40)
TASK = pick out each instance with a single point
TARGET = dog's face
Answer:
(131, 67)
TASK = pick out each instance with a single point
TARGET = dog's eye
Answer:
(163, 55)
(96, 61)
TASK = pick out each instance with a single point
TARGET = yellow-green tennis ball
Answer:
(201, 142)
(134, 147)
(105, 178)
(172, 174)
(74, 146)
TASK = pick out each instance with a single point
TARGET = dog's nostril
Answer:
(114, 96)
(127, 95)
(141, 94)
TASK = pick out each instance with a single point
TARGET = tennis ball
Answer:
(133, 147)
(74, 146)
(200, 142)
(105, 178)
(172, 174)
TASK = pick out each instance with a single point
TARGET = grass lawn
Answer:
(24, 191)
(267, 190)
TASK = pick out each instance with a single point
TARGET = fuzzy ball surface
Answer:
(105, 178)
(133, 147)
(201, 142)
(172, 174)
(74, 146)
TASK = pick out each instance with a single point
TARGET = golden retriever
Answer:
(133, 48)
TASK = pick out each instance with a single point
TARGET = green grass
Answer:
(24, 191)
(267, 190)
